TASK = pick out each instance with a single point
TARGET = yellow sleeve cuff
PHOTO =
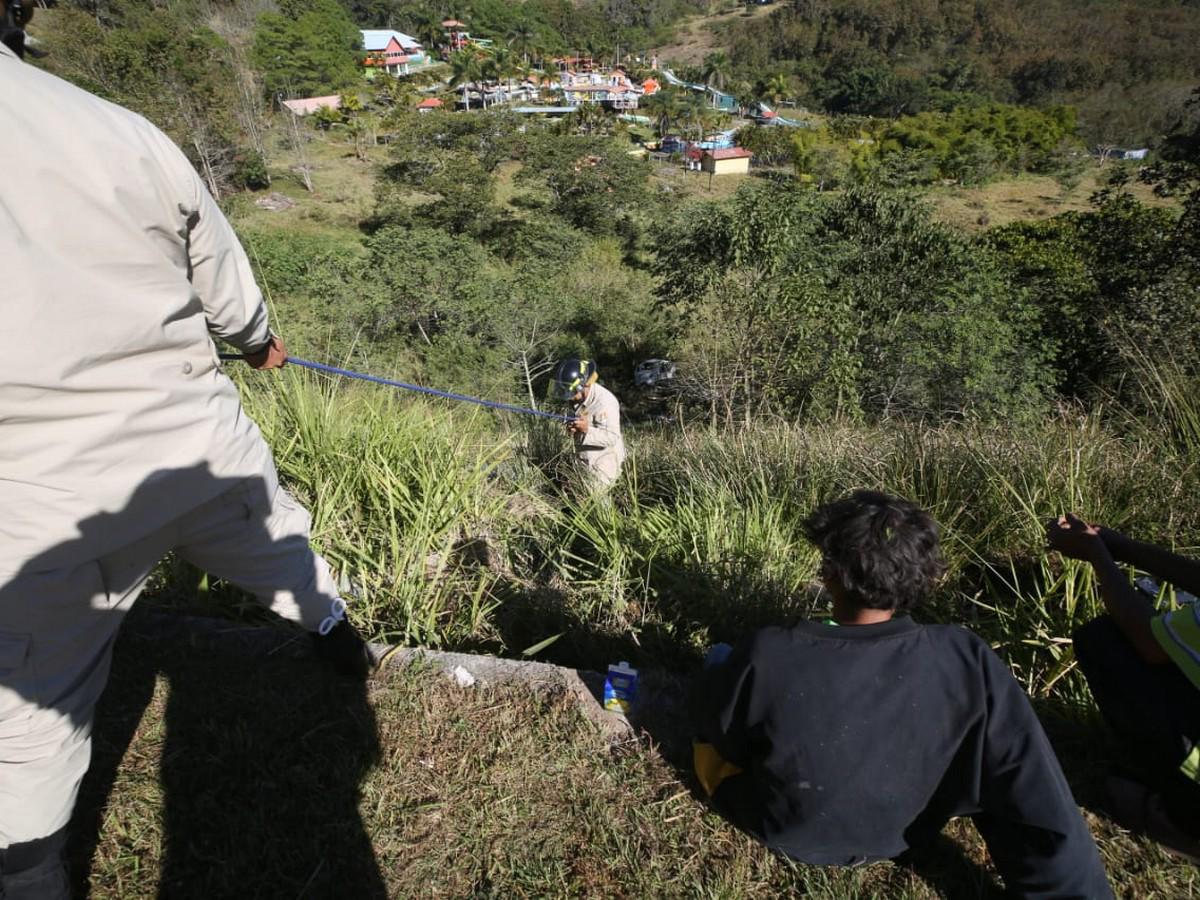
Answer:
(711, 768)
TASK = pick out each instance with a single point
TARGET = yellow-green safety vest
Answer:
(1178, 633)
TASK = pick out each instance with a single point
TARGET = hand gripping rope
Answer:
(432, 392)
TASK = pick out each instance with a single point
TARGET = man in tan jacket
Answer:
(596, 428)
(120, 437)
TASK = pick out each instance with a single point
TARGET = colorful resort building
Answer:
(612, 90)
(391, 51)
(457, 35)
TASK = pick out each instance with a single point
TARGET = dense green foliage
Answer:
(1126, 66)
(537, 27)
(859, 304)
(308, 49)
(973, 144)
(168, 66)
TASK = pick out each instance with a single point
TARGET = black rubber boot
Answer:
(345, 650)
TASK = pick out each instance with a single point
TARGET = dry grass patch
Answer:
(1024, 198)
(696, 37)
(343, 186)
(225, 774)
(673, 180)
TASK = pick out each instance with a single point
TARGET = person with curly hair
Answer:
(855, 739)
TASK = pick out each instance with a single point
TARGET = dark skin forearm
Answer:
(1130, 608)
(1164, 565)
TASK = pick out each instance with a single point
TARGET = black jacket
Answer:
(858, 741)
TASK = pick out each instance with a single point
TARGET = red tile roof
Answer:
(429, 103)
(729, 153)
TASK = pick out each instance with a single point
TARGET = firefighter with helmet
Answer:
(596, 426)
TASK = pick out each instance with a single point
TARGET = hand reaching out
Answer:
(1073, 537)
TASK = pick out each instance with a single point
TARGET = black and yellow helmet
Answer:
(572, 375)
(12, 26)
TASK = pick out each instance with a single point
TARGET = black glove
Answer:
(345, 650)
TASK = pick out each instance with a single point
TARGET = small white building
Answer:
(308, 105)
(727, 161)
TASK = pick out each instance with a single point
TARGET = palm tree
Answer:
(777, 87)
(504, 65)
(465, 72)
(589, 119)
(521, 37)
(428, 31)
(666, 109)
(716, 70)
(695, 113)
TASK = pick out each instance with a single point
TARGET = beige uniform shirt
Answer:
(602, 449)
(116, 267)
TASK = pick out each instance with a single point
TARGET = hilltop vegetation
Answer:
(1126, 66)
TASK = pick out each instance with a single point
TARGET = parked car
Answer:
(653, 373)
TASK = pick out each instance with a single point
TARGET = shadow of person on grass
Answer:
(260, 760)
(260, 747)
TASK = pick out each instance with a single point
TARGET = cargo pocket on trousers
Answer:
(18, 698)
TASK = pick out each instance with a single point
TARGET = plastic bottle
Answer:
(620, 688)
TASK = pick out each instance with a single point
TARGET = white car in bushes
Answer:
(653, 373)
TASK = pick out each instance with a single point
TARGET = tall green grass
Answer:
(398, 493)
(456, 528)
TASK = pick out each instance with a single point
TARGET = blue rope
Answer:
(432, 392)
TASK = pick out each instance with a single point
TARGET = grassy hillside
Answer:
(307, 787)
(850, 315)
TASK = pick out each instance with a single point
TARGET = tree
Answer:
(667, 109)
(504, 65)
(361, 128)
(777, 88)
(427, 28)
(426, 280)
(716, 69)
(465, 72)
(173, 70)
(594, 183)
(465, 191)
(308, 49)
(588, 119)
(303, 167)
(522, 37)
(855, 305)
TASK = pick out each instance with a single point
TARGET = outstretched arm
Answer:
(1131, 609)
(1181, 571)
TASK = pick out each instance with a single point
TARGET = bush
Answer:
(250, 172)
(974, 144)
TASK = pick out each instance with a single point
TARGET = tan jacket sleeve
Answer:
(222, 278)
(604, 427)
